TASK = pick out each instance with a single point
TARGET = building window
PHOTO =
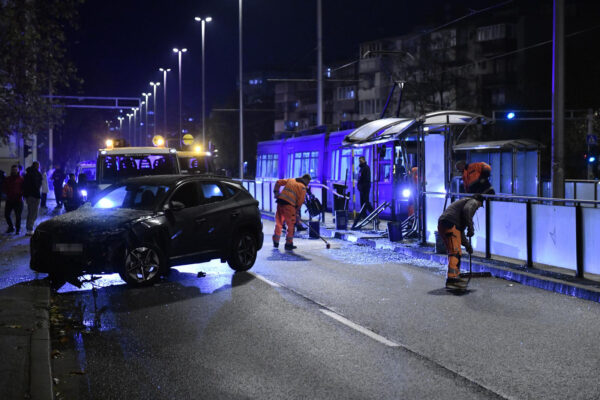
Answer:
(303, 162)
(491, 32)
(267, 166)
(498, 97)
(346, 93)
(443, 39)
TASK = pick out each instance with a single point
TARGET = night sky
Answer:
(121, 44)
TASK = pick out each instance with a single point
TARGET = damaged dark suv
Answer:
(143, 226)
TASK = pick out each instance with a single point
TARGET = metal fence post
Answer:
(488, 229)
(579, 239)
(529, 235)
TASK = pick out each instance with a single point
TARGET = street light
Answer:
(176, 50)
(135, 110)
(121, 124)
(146, 95)
(142, 122)
(129, 126)
(164, 71)
(154, 85)
(203, 23)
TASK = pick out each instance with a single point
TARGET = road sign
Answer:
(592, 140)
(188, 139)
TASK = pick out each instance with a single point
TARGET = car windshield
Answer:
(137, 197)
(196, 164)
(116, 167)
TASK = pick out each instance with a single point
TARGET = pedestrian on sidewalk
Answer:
(2, 176)
(44, 189)
(71, 194)
(451, 227)
(58, 179)
(32, 185)
(13, 188)
(363, 185)
(289, 202)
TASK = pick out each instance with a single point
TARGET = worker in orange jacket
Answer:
(476, 176)
(451, 227)
(289, 201)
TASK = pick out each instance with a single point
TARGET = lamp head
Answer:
(208, 19)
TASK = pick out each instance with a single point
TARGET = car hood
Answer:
(87, 220)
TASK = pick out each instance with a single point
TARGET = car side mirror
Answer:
(175, 206)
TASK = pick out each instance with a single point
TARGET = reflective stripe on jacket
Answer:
(293, 191)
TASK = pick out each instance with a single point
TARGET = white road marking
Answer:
(262, 278)
(359, 328)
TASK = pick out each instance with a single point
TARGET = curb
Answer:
(40, 375)
(541, 279)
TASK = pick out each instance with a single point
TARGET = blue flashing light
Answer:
(592, 159)
(105, 203)
(83, 193)
(510, 115)
(406, 193)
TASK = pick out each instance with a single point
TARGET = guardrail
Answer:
(556, 232)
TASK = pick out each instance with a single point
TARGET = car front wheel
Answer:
(144, 264)
(243, 251)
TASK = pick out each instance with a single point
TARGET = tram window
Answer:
(267, 165)
(385, 171)
(303, 162)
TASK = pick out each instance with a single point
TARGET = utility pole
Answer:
(558, 100)
(319, 65)
(241, 99)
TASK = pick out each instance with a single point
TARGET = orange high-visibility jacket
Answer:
(293, 191)
(475, 171)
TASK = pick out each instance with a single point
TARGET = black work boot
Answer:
(290, 246)
(456, 284)
(10, 229)
(275, 244)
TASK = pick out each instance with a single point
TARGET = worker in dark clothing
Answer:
(58, 178)
(364, 186)
(451, 226)
(13, 187)
(289, 202)
(476, 176)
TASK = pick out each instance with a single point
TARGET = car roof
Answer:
(173, 179)
(138, 150)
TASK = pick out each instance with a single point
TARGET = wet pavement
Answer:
(346, 322)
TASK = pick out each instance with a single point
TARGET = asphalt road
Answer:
(349, 323)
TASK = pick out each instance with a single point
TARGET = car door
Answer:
(182, 220)
(219, 215)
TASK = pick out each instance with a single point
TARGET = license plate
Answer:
(68, 247)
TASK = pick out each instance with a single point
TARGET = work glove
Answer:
(469, 248)
(470, 232)
(275, 193)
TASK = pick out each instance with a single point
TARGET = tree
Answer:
(33, 62)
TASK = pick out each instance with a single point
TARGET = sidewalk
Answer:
(543, 279)
(24, 321)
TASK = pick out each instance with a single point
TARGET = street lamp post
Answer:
(154, 85)
(120, 124)
(129, 126)
(146, 95)
(164, 71)
(203, 23)
(134, 139)
(176, 50)
(142, 122)
(241, 97)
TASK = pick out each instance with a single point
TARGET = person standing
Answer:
(364, 186)
(44, 189)
(1, 182)
(13, 187)
(58, 178)
(289, 202)
(31, 190)
(451, 227)
(71, 194)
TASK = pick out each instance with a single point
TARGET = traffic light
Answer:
(26, 150)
